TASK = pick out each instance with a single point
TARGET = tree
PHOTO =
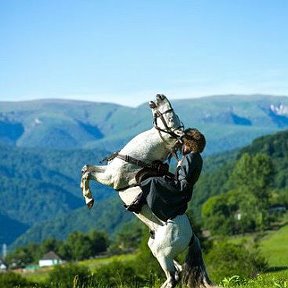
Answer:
(22, 256)
(231, 213)
(215, 215)
(99, 242)
(128, 237)
(78, 246)
(50, 245)
(255, 173)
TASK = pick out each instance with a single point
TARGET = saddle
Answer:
(158, 168)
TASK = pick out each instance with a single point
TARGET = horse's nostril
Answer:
(152, 104)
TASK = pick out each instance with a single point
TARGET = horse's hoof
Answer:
(84, 169)
(90, 203)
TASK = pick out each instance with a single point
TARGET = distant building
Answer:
(277, 209)
(50, 259)
(3, 266)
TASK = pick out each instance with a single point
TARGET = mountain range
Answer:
(66, 124)
(45, 143)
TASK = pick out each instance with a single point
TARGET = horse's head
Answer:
(165, 119)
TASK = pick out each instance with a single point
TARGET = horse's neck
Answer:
(149, 146)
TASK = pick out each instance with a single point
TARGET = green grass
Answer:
(93, 264)
(41, 275)
(266, 280)
(274, 247)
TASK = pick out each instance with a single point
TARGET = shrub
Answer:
(116, 274)
(12, 280)
(68, 276)
(227, 259)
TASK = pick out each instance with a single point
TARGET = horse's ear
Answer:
(160, 96)
(152, 105)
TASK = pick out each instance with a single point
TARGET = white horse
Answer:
(168, 239)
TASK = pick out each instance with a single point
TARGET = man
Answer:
(166, 196)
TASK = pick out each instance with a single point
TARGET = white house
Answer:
(3, 265)
(50, 259)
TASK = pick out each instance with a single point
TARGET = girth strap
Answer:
(128, 159)
(133, 160)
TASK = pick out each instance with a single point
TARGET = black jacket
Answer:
(168, 197)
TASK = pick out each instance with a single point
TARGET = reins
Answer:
(129, 159)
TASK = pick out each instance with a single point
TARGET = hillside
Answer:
(229, 121)
(38, 185)
(10, 229)
(107, 215)
(213, 181)
(66, 124)
(216, 172)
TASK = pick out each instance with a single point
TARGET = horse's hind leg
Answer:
(166, 263)
(170, 240)
(171, 272)
(89, 172)
(86, 192)
(97, 173)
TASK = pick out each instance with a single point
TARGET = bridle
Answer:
(167, 129)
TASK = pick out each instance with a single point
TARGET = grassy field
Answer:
(268, 280)
(41, 275)
(272, 244)
(274, 247)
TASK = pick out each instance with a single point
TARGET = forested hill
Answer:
(219, 168)
(276, 147)
(228, 121)
(110, 214)
(40, 184)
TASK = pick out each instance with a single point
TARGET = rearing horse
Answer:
(169, 238)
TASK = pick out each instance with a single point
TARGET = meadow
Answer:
(272, 244)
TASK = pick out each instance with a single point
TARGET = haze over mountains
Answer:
(45, 143)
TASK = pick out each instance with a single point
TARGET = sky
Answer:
(127, 51)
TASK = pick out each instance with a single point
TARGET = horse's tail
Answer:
(194, 271)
